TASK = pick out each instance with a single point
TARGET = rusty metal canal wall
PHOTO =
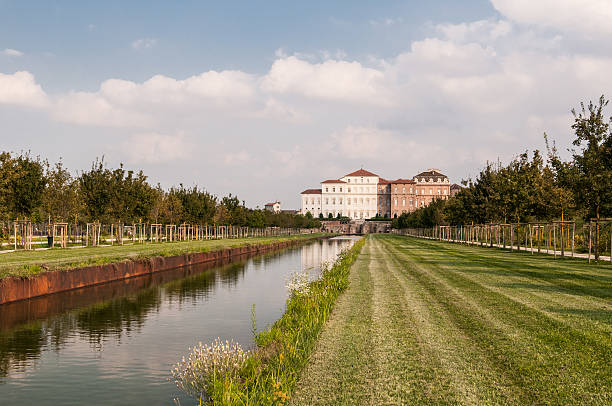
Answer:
(13, 289)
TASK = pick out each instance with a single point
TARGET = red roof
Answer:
(333, 181)
(272, 204)
(362, 172)
(311, 192)
(403, 181)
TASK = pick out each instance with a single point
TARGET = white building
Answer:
(273, 207)
(354, 195)
(311, 202)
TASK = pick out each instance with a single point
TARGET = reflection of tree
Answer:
(117, 316)
(19, 346)
(110, 310)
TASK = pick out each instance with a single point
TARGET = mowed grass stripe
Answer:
(471, 368)
(408, 371)
(551, 359)
(335, 374)
(592, 315)
(467, 325)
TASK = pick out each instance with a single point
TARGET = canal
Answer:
(114, 344)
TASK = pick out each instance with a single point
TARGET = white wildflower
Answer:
(297, 283)
(206, 361)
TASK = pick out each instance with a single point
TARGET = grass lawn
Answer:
(28, 263)
(425, 322)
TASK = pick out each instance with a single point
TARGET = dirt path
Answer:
(430, 323)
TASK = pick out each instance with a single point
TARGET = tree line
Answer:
(32, 188)
(533, 187)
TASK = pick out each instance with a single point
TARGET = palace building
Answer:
(363, 195)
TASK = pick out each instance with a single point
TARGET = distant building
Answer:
(363, 195)
(274, 207)
(455, 188)
(311, 202)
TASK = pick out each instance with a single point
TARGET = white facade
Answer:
(353, 195)
(273, 207)
(311, 202)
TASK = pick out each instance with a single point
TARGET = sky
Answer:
(266, 99)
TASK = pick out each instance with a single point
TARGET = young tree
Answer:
(60, 199)
(26, 185)
(96, 190)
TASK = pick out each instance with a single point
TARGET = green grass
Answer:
(269, 375)
(28, 263)
(425, 322)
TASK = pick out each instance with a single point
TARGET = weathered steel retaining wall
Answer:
(13, 289)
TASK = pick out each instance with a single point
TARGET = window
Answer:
(439, 192)
(318, 200)
(340, 201)
(326, 200)
(395, 201)
(410, 189)
(326, 189)
(334, 201)
(444, 191)
(396, 189)
(362, 179)
(333, 189)
(361, 200)
(410, 202)
(349, 189)
(341, 189)
(403, 202)
(349, 181)
(431, 191)
(403, 190)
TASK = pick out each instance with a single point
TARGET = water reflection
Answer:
(124, 336)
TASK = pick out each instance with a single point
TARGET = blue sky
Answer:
(265, 99)
(79, 44)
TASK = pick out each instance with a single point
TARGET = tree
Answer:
(95, 191)
(593, 160)
(589, 175)
(61, 198)
(25, 184)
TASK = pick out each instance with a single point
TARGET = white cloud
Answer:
(331, 80)
(470, 92)
(591, 17)
(21, 89)
(144, 43)
(156, 148)
(477, 31)
(12, 52)
(386, 21)
(237, 158)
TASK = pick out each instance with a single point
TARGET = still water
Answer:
(114, 344)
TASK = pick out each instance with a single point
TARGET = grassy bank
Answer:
(425, 322)
(269, 373)
(28, 263)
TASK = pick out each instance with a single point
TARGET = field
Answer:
(28, 263)
(426, 322)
